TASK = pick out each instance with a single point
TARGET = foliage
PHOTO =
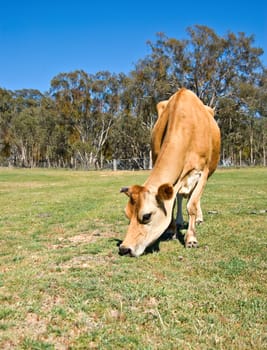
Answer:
(86, 120)
(64, 286)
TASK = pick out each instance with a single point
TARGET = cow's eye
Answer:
(146, 218)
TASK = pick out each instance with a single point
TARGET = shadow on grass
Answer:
(166, 236)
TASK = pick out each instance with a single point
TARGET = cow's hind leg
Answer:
(193, 207)
(180, 223)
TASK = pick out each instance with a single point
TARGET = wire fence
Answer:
(134, 163)
(128, 164)
(146, 164)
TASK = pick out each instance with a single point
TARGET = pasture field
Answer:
(64, 286)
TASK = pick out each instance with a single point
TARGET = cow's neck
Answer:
(157, 179)
(165, 171)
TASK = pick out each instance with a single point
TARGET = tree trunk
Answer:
(263, 149)
(251, 148)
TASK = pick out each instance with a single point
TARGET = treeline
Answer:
(86, 120)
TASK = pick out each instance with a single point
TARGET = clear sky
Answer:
(42, 38)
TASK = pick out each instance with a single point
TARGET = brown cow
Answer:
(186, 152)
(158, 134)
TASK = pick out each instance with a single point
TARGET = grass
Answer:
(64, 286)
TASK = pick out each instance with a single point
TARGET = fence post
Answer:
(150, 161)
(144, 163)
(114, 164)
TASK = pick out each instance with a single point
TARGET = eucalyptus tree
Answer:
(262, 107)
(72, 96)
(206, 63)
(6, 114)
(141, 90)
(129, 137)
(87, 106)
(216, 68)
(21, 127)
(105, 109)
(136, 117)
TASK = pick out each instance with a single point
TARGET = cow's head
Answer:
(150, 213)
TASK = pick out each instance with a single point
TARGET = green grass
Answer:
(64, 286)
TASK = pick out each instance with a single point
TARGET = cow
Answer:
(157, 137)
(186, 151)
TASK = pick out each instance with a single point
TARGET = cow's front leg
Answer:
(199, 218)
(194, 211)
(190, 237)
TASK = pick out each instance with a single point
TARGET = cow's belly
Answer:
(189, 182)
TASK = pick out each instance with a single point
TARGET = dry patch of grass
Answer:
(84, 238)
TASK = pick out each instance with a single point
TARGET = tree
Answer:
(105, 109)
(71, 93)
(218, 69)
(6, 109)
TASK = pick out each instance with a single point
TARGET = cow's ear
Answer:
(165, 192)
(125, 190)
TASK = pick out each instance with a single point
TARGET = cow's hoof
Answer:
(191, 244)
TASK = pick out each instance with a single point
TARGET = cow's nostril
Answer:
(124, 250)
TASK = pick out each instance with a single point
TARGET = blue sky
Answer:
(40, 39)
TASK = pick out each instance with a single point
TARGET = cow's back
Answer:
(199, 133)
(191, 139)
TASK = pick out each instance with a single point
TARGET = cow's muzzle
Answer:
(125, 250)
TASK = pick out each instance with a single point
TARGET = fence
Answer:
(115, 164)
(128, 164)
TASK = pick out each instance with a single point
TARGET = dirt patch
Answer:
(83, 238)
(87, 237)
(86, 261)
(91, 237)
(38, 327)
